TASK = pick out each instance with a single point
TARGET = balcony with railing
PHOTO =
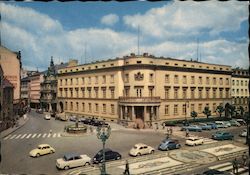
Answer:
(139, 100)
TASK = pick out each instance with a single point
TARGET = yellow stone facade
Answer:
(143, 87)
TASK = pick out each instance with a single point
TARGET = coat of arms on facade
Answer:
(139, 76)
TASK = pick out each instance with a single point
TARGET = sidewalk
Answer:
(21, 122)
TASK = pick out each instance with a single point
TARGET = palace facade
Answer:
(143, 88)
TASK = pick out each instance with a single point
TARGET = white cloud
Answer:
(190, 18)
(110, 19)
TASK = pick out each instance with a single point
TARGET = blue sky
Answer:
(106, 30)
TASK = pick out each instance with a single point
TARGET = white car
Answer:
(193, 141)
(243, 133)
(47, 117)
(72, 160)
(140, 149)
(41, 150)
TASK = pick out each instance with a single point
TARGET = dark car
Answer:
(72, 118)
(109, 155)
(214, 172)
(221, 135)
(169, 144)
(87, 121)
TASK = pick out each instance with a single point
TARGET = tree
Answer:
(194, 114)
(241, 111)
(220, 109)
(231, 109)
(207, 111)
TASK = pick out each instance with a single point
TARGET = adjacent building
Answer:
(240, 92)
(143, 88)
(11, 65)
(35, 89)
(1, 97)
(25, 91)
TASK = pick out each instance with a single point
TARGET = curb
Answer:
(16, 128)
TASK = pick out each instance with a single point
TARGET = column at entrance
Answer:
(146, 116)
(157, 112)
(133, 113)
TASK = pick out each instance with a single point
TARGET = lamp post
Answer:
(186, 103)
(103, 134)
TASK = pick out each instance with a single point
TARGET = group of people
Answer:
(169, 132)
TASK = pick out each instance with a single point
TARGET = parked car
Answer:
(72, 118)
(109, 155)
(214, 172)
(140, 149)
(222, 135)
(169, 144)
(192, 128)
(47, 117)
(204, 126)
(193, 141)
(221, 124)
(72, 160)
(61, 116)
(213, 125)
(241, 121)
(41, 150)
(243, 133)
(227, 123)
(234, 123)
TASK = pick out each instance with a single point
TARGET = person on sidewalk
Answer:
(126, 172)
(187, 133)
(171, 131)
(244, 159)
(235, 166)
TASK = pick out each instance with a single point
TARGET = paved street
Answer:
(16, 147)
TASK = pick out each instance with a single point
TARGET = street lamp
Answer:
(103, 134)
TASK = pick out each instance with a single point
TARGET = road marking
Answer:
(23, 136)
(58, 135)
(5, 138)
(220, 165)
(12, 137)
(28, 136)
(49, 135)
(34, 135)
(44, 135)
(38, 135)
(18, 136)
(54, 135)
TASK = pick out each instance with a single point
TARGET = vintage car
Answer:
(140, 149)
(109, 155)
(193, 141)
(192, 128)
(222, 135)
(169, 144)
(72, 160)
(42, 150)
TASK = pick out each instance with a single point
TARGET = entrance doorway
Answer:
(139, 112)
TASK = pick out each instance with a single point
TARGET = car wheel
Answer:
(138, 154)
(51, 152)
(152, 152)
(66, 168)
(194, 144)
(87, 163)
(167, 149)
(37, 155)
(178, 146)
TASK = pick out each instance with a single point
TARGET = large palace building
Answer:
(143, 88)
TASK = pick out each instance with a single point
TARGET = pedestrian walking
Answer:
(50, 131)
(171, 131)
(244, 159)
(163, 125)
(157, 127)
(126, 172)
(187, 133)
(235, 166)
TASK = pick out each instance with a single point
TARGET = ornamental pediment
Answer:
(139, 76)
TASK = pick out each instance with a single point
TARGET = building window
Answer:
(227, 81)
(166, 78)
(104, 108)
(96, 93)
(66, 105)
(103, 79)
(126, 78)
(227, 93)
(66, 82)
(200, 80)
(166, 109)
(241, 82)
(200, 93)
(150, 90)
(221, 93)
(245, 83)
(90, 107)
(89, 90)
(77, 92)
(112, 93)
(207, 93)
(83, 80)
(60, 82)
(184, 109)
(96, 107)
(184, 95)
(214, 93)
(112, 109)
(166, 93)
(104, 93)
(76, 81)
(77, 106)
(214, 81)
(237, 82)
(176, 79)
(176, 93)
(214, 107)
(126, 92)
(200, 108)
(139, 92)
(89, 80)
(151, 78)
(233, 82)
(175, 109)
(192, 80)
(192, 93)
(71, 106)
(71, 81)
(83, 107)
(71, 92)
(83, 92)
(111, 78)
(184, 79)
(221, 81)
(96, 79)
(207, 81)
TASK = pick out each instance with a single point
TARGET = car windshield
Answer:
(39, 147)
(135, 147)
(65, 158)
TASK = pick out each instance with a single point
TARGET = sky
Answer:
(92, 31)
